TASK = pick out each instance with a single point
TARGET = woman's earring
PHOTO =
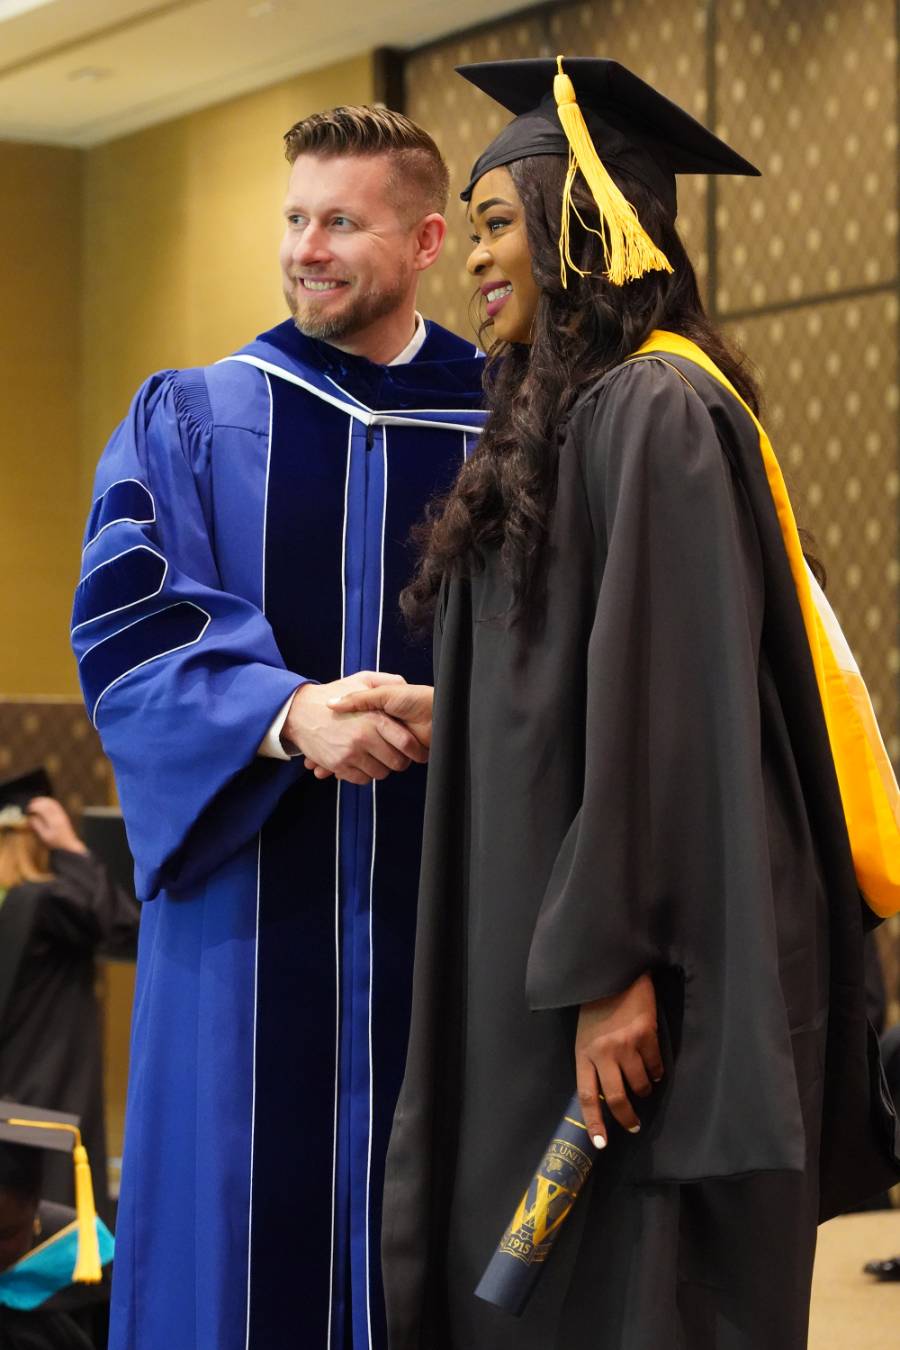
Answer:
(37, 1227)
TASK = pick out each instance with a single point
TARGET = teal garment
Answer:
(47, 1269)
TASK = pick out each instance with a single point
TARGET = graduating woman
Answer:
(656, 789)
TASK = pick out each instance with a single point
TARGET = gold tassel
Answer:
(628, 251)
(88, 1269)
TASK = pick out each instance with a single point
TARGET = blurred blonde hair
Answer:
(22, 857)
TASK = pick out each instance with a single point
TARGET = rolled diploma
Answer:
(514, 1268)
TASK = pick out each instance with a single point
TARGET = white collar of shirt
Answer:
(412, 348)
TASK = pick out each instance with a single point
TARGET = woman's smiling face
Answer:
(501, 258)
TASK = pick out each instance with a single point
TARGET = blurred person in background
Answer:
(54, 1259)
(58, 911)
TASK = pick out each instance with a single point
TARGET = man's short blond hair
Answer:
(418, 181)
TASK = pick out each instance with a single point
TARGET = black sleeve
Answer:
(83, 908)
(669, 844)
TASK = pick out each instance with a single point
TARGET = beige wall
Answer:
(158, 249)
(40, 250)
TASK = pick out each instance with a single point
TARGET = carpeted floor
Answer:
(850, 1311)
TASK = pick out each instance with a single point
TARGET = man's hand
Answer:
(50, 822)
(408, 703)
(354, 749)
(617, 1043)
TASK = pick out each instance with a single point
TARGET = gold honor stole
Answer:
(868, 787)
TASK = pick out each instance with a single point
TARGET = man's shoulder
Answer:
(229, 392)
(198, 395)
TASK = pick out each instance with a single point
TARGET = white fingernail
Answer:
(634, 1129)
(599, 1141)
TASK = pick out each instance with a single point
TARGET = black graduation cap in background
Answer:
(22, 789)
(35, 1127)
(599, 113)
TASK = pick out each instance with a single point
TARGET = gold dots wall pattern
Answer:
(806, 90)
(57, 734)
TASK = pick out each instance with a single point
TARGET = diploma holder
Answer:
(516, 1265)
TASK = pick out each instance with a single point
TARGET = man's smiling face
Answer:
(347, 255)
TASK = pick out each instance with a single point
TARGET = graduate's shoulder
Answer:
(644, 428)
(637, 381)
(647, 408)
(673, 385)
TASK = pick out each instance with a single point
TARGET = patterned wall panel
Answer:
(58, 734)
(829, 374)
(807, 90)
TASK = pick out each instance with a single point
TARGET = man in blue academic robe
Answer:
(243, 556)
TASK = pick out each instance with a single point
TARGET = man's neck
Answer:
(383, 340)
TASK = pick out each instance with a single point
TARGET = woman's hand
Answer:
(407, 703)
(354, 749)
(616, 1043)
(49, 821)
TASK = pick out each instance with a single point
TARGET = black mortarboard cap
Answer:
(632, 125)
(55, 1129)
(22, 789)
(35, 1127)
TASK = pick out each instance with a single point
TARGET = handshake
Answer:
(360, 728)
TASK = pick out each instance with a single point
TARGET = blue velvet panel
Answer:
(126, 500)
(417, 468)
(147, 639)
(445, 375)
(297, 977)
(123, 581)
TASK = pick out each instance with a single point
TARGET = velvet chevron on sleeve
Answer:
(171, 660)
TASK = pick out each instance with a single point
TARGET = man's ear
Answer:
(431, 232)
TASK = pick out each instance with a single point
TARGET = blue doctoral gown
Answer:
(249, 530)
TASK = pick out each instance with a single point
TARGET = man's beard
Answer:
(360, 313)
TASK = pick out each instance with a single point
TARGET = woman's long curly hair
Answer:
(504, 495)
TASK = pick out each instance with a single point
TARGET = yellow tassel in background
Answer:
(87, 1267)
(628, 250)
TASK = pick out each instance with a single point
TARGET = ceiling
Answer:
(79, 72)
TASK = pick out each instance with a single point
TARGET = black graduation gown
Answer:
(51, 1046)
(644, 782)
(40, 1330)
